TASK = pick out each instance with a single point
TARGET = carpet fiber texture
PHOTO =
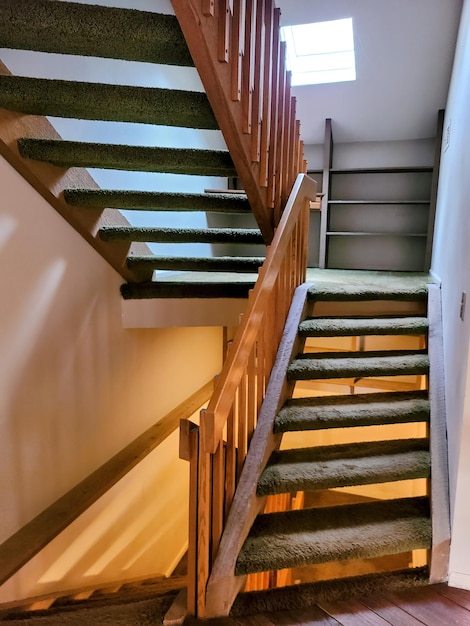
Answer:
(327, 467)
(365, 530)
(309, 594)
(366, 409)
(352, 326)
(92, 30)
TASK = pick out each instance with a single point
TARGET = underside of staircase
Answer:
(236, 252)
(336, 495)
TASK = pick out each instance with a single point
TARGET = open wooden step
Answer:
(98, 101)
(131, 158)
(158, 201)
(181, 235)
(197, 264)
(343, 465)
(365, 530)
(344, 411)
(92, 30)
(322, 365)
(344, 326)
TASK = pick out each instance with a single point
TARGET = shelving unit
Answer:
(376, 218)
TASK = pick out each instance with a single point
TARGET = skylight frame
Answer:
(320, 52)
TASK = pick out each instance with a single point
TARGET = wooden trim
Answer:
(223, 585)
(327, 163)
(440, 507)
(36, 534)
(434, 186)
(50, 181)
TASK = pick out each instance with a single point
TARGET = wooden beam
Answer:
(36, 534)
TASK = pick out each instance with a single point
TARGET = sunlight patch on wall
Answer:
(322, 52)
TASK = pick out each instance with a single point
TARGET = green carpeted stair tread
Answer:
(158, 201)
(181, 235)
(98, 101)
(345, 411)
(198, 264)
(310, 366)
(131, 158)
(306, 595)
(357, 531)
(344, 465)
(91, 30)
(177, 289)
(351, 326)
(344, 292)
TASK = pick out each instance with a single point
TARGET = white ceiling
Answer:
(404, 54)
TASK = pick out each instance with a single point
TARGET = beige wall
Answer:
(451, 262)
(76, 388)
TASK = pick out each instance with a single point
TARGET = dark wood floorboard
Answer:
(353, 613)
(392, 613)
(435, 605)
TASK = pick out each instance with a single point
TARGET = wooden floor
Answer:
(436, 605)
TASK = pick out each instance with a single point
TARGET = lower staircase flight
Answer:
(370, 438)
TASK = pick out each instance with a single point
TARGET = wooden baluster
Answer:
(236, 54)
(208, 8)
(248, 66)
(218, 492)
(267, 93)
(189, 451)
(260, 373)
(230, 461)
(204, 527)
(251, 394)
(292, 173)
(273, 136)
(224, 23)
(286, 139)
(295, 162)
(282, 126)
(258, 85)
(242, 425)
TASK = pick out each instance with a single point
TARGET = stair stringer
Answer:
(223, 586)
(440, 507)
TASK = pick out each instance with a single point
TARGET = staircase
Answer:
(319, 441)
(70, 28)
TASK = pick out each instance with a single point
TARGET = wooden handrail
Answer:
(36, 534)
(218, 448)
(240, 60)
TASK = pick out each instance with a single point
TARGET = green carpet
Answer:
(207, 264)
(158, 201)
(181, 235)
(366, 291)
(345, 411)
(308, 594)
(353, 326)
(357, 531)
(168, 288)
(91, 30)
(96, 101)
(130, 158)
(327, 467)
(357, 364)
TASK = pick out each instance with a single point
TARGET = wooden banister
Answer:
(236, 49)
(228, 423)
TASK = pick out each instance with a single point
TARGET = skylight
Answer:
(322, 52)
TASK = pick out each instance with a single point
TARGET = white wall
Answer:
(75, 388)
(451, 262)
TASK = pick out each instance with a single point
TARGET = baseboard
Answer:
(436, 279)
(461, 581)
